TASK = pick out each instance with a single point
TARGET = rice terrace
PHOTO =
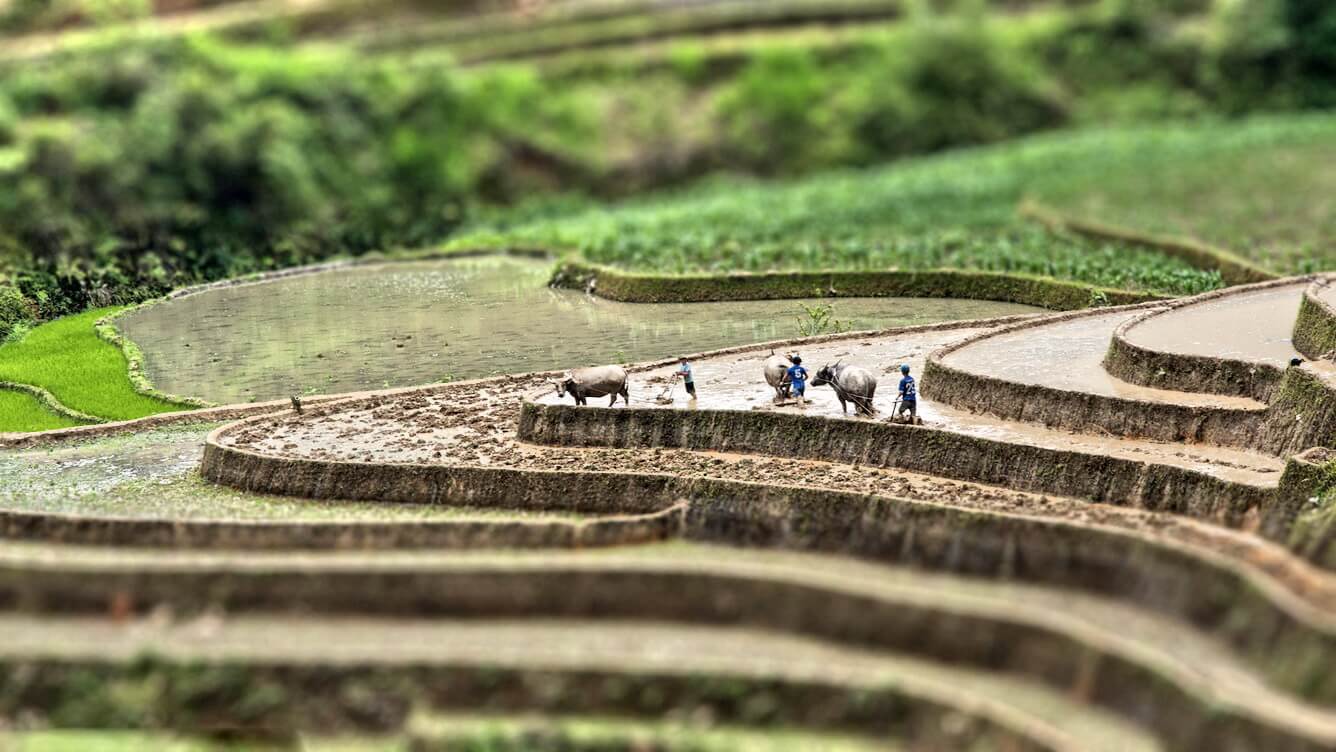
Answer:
(668, 375)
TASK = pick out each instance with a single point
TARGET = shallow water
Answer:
(1257, 326)
(1070, 355)
(414, 323)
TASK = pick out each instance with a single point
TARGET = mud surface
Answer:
(424, 322)
(1256, 326)
(475, 424)
(152, 474)
(1069, 355)
(1327, 293)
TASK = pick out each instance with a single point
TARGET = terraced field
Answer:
(1069, 553)
(1112, 528)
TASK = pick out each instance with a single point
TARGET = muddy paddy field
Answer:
(1068, 553)
(405, 324)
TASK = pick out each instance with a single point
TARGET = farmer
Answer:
(908, 394)
(797, 377)
(684, 373)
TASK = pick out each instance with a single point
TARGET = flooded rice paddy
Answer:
(1069, 355)
(1257, 327)
(422, 322)
(152, 474)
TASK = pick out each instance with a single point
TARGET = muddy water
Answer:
(152, 474)
(405, 324)
(1070, 356)
(1254, 327)
(1328, 292)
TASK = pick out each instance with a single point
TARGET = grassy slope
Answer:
(958, 209)
(953, 210)
(23, 412)
(67, 358)
(1270, 203)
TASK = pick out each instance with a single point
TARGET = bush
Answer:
(957, 85)
(15, 311)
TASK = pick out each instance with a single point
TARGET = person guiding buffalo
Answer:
(797, 379)
(908, 395)
(685, 373)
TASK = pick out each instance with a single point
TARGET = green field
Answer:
(84, 373)
(1265, 202)
(20, 411)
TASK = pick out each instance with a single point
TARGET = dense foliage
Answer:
(955, 210)
(130, 172)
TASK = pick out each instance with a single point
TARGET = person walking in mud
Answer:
(908, 395)
(797, 379)
(688, 378)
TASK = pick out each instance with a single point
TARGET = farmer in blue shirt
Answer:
(685, 373)
(908, 395)
(797, 376)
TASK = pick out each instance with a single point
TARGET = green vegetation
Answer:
(465, 734)
(1261, 200)
(956, 210)
(1313, 534)
(149, 165)
(84, 373)
(475, 734)
(20, 411)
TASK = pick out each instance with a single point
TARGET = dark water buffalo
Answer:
(851, 384)
(598, 381)
(776, 367)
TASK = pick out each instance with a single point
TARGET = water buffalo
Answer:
(776, 370)
(597, 381)
(851, 384)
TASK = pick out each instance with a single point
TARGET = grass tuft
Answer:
(86, 374)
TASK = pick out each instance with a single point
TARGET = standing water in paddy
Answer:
(423, 322)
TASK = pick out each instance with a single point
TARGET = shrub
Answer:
(15, 311)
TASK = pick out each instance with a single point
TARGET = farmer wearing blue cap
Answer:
(908, 395)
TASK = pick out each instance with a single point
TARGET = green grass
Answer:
(958, 210)
(467, 733)
(20, 411)
(1269, 202)
(84, 373)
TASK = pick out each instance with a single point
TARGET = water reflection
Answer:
(404, 324)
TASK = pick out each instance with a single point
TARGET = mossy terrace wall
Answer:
(1193, 373)
(364, 535)
(1172, 704)
(942, 283)
(1184, 583)
(1080, 411)
(944, 453)
(273, 699)
(1315, 330)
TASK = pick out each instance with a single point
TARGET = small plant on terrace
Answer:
(820, 319)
